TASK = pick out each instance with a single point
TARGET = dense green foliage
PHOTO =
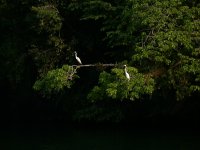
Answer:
(56, 80)
(159, 41)
(161, 36)
(46, 46)
(115, 85)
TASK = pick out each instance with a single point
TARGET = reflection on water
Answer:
(55, 138)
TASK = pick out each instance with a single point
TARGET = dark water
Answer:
(75, 138)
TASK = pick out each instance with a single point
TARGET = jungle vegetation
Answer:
(158, 40)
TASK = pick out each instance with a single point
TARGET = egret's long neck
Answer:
(75, 55)
(125, 69)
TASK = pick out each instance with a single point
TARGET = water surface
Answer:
(75, 138)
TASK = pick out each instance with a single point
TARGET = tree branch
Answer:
(71, 72)
(95, 65)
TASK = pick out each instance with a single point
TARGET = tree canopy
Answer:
(158, 40)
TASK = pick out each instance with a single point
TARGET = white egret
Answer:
(77, 58)
(126, 73)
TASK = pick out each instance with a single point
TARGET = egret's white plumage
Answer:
(77, 58)
(126, 73)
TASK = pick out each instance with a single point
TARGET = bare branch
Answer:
(72, 71)
(95, 65)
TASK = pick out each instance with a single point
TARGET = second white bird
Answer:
(126, 73)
